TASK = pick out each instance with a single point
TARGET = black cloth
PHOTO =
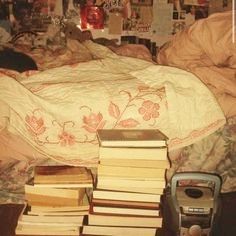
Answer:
(18, 61)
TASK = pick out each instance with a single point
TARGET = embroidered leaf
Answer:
(114, 110)
(129, 123)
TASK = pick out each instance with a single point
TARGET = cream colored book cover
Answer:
(131, 172)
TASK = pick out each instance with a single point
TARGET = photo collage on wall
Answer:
(135, 15)
(186, 12)
(117, 15)
(34, 15)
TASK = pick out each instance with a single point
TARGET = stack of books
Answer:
(57, 201)
(130, 181)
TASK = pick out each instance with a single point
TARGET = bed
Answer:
(50, 116)
(208, 50)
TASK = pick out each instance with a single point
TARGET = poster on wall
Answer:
(140, 19)
(162, 18)
(35, 15)
(189, 10)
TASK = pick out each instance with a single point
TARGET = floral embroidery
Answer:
(149, 110)
(128, 123)
(114, 110)
(93, 122)
(34, 124)
(66, 139)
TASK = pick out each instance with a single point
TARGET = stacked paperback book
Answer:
(57, 201)
(130, 181)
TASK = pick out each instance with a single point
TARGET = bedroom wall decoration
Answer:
(156, 20)
(92, 17)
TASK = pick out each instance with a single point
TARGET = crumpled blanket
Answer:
(58, 111)
(208, 49)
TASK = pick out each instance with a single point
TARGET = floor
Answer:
(226, 226)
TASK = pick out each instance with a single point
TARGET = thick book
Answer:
(126, 196)
(130, 221)
(131, 138)
(62, 174)
(135, 153)
(53, 196)
(131, 172)
(162, 164)
(126, 231)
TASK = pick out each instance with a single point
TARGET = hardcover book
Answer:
(61, 175)
(131, 138)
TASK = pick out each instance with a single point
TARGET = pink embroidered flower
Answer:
(35, 125)
(143, 87)
(149, 110)
(93, 122)
(66, 139)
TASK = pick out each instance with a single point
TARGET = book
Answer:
(131, 172)
(135, 153)
(133, 189)
(38, 209)
(131, 138)
(110, 230)
(82, 209)
(64, 213)
(130, 221)
(69, 185)
(46, 231)
(122, 203)
(103, 181)
(53, 196)
(121, 210)
(126, 196)
(51, 220)
(62, 175)
(162, 164)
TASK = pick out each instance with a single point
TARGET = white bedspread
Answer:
(58, 111)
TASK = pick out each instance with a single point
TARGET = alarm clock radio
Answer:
(193, 202)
